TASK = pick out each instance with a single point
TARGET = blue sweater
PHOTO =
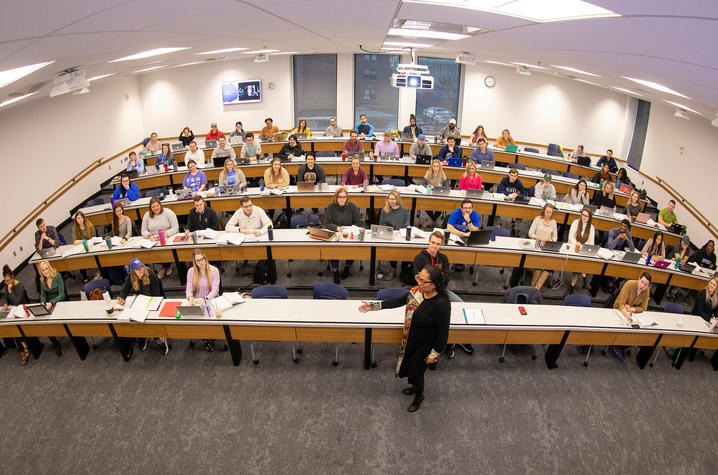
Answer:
(612, 166)
(132, 194)
(477, 156)
(367, 130)
(444, 153)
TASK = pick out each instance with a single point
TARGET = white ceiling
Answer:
(672, 43)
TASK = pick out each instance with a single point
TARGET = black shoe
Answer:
(142, 344)
(449, 352)
(129, 353)
(416, 403)
(345, 273)
(58, 349)
(337, 280)
(409, 391)
(467, 348)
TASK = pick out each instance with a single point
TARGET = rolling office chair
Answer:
(498, 231)
(300, 221)
(554, 150)
(393, 182)
(270, 292)
(156, 192)
(671, 307)
(570, 175)
(579, 300)
(531, 149)
(521, 295)
(95, 202)
(330, 291)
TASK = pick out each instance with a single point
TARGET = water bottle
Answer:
(362, 233)
(648, 260)
(366, 184)
(429, 188)
(270, 232)
(84, 244)
(161, 234)
(408, 233)
(261, 185)
(678, 262)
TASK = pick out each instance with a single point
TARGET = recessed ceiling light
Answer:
(12, 75)
(627, 91)
(151, 68)
(529, 65)
(417, 33)
(498, 62)
(544, 11)
(225, 50)
(284, 52)
(656, 86)
(16, 99)
(682, 106)
(574, 70)
(262, 51)
(397, 50)
(101, 76)
(407, 44)
(149, 53)
(188, 64)
(587, 82)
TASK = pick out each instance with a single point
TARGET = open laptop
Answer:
(478, 238)
(456, 162)
(550, 246)
(210, 143)
(687, 267)
(441, 190)
(382, 232)
(305, 186)
(590, 250)
(177, 147)
(236, 140)
(132, 174)
(605, 211)
(488, 164)
(423, 159)
(624, 188)
(643, 218)
(184, 194)
(583, 161)
(319, 233)
(522, 199)
(218, 162)
(476, 194)
(39, 310)
(661, 264)
(631, 257)
(4, 313)
(191, 311)
(151, 170)
(407, 138)
(47, 252)
(385, 156)
(301, 135)
(280, 137)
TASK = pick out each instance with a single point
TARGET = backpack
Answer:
(265, 272)
(95, 294)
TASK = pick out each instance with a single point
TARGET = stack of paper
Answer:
(143, 302)
(71, 250)
(147, 244)
(474, 316)
(276, 191)
(643, 320)
(221, 303)
(233, 297)
(605, 253)
(234, 238)
(207, 233)
(133, 243)
(134, 314)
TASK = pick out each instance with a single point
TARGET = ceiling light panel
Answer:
(434, 35)
(682, 106)
(627, 91)
(101, 76)
(262, 51)
(11, 75)
(16, 99)
(225, 50)
(150, 53)
(577, 71)
(152, 68)
(407, 44)
(530, 65)
(656, 86)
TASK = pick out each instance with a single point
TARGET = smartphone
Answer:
(522, 310)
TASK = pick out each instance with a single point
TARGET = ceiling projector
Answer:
(70, 81)
(413, 76)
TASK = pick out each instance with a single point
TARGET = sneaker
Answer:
(142, 344)
(165, 347)
(380, 277)
(449, 352)
(161, 274)
(466, 348)
(620, 353)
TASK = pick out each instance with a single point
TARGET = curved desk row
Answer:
(302, 320)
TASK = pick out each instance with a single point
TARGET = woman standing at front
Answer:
(52, 290)
(543, 229)
(202, 283)
(159, 218)
(426, 328)
(581, 232)
(341, 214)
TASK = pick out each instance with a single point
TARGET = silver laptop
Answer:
(441, 190)
(151, 170)
(184, 194)
(476, 194)
(605, 211)
(177, 147)
(590, 250)
(301, 135)
(191, 311)
(210, 143)
(382, 232)
(236, 140)
(488, 164)
(385, 156)
(407, 138)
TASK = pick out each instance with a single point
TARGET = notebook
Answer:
(512, 148)
(323, 234)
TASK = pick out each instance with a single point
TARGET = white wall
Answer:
(48, 141)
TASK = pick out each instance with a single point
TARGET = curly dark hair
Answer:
(437, 278)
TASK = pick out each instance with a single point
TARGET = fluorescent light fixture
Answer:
(187, 64)
(407, 44)
(225, 50)
(16, 99)
(285, 52)
(101, 76)
(262, 51)
(151, 68)
(544, 11)
(587, 82)
(416, 33)
(149, 53)
(682, 106)
(627, 91)
(498, 62)
(12, 75)
(526, 65)
(574, 70)
(656, 86)
(396, 50)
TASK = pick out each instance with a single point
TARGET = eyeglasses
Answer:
(200, 259)
(422, 281)
(342, 197)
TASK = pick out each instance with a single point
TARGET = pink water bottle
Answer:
(161, 234)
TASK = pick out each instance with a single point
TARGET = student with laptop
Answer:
(633, 207)
(201, 216)
(276, 176)
(412, 129)
(387, 145)
(82, 230)
(302, 128)
(622, 179)
(311, 170)
(156, 218)
(505, 139)
(46, 236)
(154, 145)
(578, 194)
(667, 216)
(353, 145)
(52, 290)
(231, 175)
(705, 256)
(222, 150)
(341, 213)
(434, 177)
(544, 189)
(420, 148)
(464, 220)
(269, 129)
(214, 132)
(450, 150)
(195, 154)
(135, 163)
(543, 228)
(604, 197)
(354, 175)
(482, 152)
(364, 128)
(251, 149)
(333, 130)
(238, 131)
(620, 237)
(126, 189)
(166, 157)
(633, 298)
(470, 179)
(450, 131)
(654, 247)
(15, 294)
(202, 283)
(581, 232)
(195, 179)
(578, 152)
(186, 136)
(609, 160)
(393, 214)
(291, 149)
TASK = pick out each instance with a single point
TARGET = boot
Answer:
(418, 399)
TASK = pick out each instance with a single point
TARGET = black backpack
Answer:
(265, 272)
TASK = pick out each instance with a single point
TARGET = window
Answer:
(315, 89)
(373, 93)
(434, 108)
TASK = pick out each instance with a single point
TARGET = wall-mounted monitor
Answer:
(242, 92)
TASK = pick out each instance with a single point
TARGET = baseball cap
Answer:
(421, 136)
(136, 264)
(387, 132)
(686, 239)
(452, 121)
(547, 177)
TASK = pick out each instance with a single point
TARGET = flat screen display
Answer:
(242, 92)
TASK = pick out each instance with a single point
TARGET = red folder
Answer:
(169, 309)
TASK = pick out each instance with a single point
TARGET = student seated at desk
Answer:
(633, 207)
(544, 189)
(82, 230)
(186, 136)
(705, 256)
(578, 194)
(353, 145)
(249, 219)
(609, 160)
(251, 149)
(46, 236)
(505, 139)
(214, 132)
(159, 218)
(333, 130)
(269, 129)
(195, 154)
(15, 294)
(354, 175)
(420, 147)
(603, 175)
(543, 228)
(449, 131)
(463, 220)
(578, 152)
(276, 176)
(364, 128)
(435, 176)
(479, 133)
(153, 145)
(511, 186)
(706, 303)
(393, 214)
(470, 179)
(291, 149)
(202, 217)
(52, 290)
(121, 224)
(142, 281)
(412, 129)
(581, 232)
(605, 196)
(311, 170)
(126, 189)
(166, 158)
(238, 131)
(482, 152)
(622, 178)
(667, 216)
(302, 128)
(654, 247)
(195, 179)
(620, 237)
(231, 175)
(633, 298)
(202, 283)
(223, 150)
(387, 145)
(450, 150)
(341, 213)
(135, 163)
